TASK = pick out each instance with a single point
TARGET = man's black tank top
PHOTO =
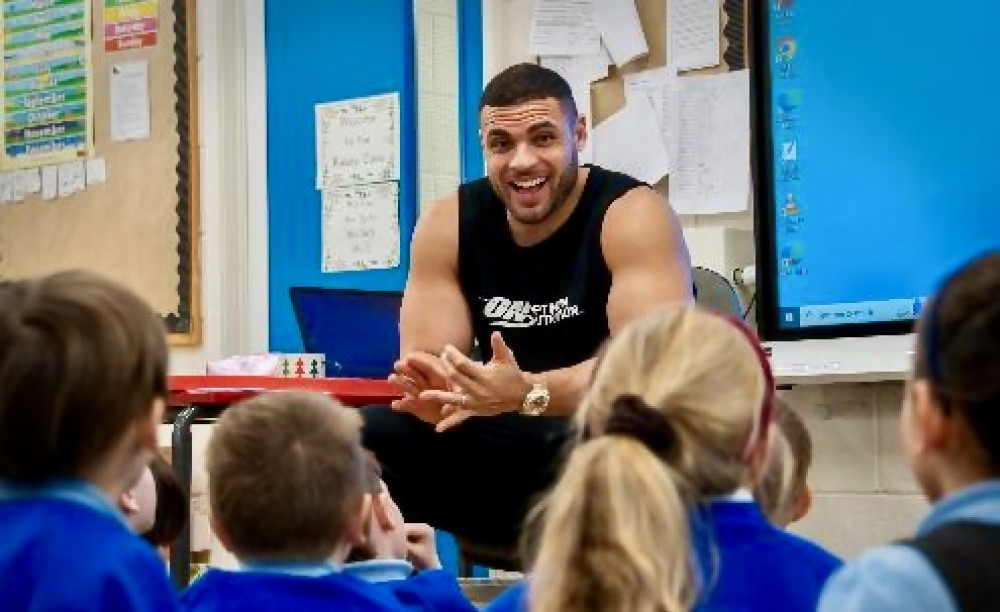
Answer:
(549, 300)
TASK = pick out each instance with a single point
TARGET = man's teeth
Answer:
(529, 184)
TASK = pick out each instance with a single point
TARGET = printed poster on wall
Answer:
(46, 82)
(361, 227)
(130, 24)
(357, 141)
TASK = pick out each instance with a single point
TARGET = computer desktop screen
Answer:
(876, 154)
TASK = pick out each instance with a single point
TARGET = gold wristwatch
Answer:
(536, 400)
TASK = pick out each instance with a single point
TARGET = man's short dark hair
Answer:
(525, 83)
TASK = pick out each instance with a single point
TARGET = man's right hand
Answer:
(416, 372)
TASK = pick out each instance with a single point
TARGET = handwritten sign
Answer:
(361, 227)
(357, 141)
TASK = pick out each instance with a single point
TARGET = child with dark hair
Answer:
(286, 489)
(172, 505)
(951, 436)
(83, 380)
(402, 557)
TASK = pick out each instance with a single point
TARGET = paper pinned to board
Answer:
(564, 27)
(660, 86)
(357, 141)
(72, 178)
(621, 32)
(693, 32)
(97, 171)
(619, 142)
(713, 171)
(361, 227)
(50, 182)
(130, 101)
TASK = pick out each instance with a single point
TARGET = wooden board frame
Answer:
(184, 326)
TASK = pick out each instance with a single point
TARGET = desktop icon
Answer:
(787, 103)
(789, 100)
(789, 151)
(791, 207)
(786, 49)
(783, 5)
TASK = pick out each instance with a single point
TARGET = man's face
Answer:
(531, 156)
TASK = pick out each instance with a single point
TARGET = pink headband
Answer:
(766, 410)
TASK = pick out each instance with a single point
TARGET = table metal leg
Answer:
(180, 552)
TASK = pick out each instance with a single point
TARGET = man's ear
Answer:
(354, 529)
(580, 132)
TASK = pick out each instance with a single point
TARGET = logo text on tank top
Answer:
(502, 312)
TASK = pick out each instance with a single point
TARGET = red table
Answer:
(206, 397)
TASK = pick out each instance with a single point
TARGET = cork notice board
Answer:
(608, 95)
(140, 226)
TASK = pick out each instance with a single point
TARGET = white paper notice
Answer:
(621, 142)
(130, 101)
(25, 182)
(660, 86)
(50, 182)
(713, 173)
(693, 32)
(361, 227)
(621, 31)
(97, 171)
(72, 178)
(564, 27)
(7, 188)
(357, 141)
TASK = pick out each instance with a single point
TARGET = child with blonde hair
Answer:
(951, 436)
(653, 511)
(83, 380)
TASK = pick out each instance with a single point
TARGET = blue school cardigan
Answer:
(64, 546)
(298, 587)
(757, 566)
(428, 590)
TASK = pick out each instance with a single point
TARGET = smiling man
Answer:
(538, 264)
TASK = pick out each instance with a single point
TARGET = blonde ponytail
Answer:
(595, 552)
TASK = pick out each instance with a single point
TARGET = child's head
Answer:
(951, 415)
(172, 505)
(385, 537)
(285, 478)
(83, 378)
(678, 411)
(782, 491)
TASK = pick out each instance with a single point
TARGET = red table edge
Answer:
(203, 389)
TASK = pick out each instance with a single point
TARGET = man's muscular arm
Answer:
(645, 251)
(433, 313)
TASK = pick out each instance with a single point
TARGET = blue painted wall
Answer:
(470, 85)
(320, 51)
